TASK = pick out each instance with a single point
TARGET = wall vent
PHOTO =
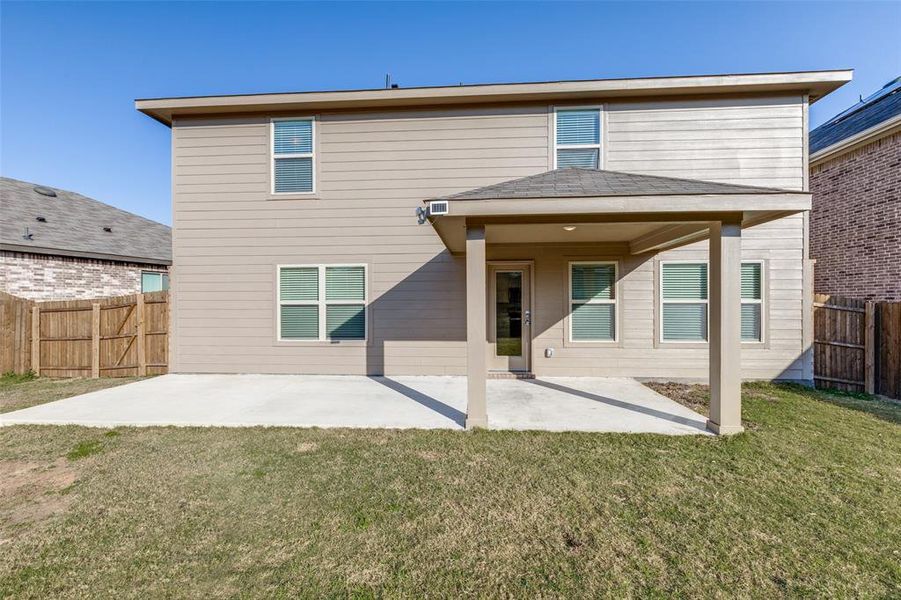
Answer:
(438, 207)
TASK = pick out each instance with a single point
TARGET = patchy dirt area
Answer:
(32, 492)
(694, 396)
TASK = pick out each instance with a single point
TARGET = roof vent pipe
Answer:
(45, 191)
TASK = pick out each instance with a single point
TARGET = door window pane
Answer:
(508, 304)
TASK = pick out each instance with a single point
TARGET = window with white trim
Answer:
(322, 302)
(292, 156)
(592, 301)
(684, 301)
(752, 301)
(154, 281)
(577, 138)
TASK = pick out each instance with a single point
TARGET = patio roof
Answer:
(576, 182)
(663, 211)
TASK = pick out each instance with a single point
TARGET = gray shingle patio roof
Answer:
(576, 182)
(881, 106)
(74, 226)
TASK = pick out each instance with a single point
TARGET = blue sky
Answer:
(69, 72)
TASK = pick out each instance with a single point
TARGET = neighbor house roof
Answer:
(873, 115)
(74, 225)
(816, 84)
(579, 182)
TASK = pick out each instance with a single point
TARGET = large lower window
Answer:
(592, 301)
(578, 138)
(322, 302)
(684, 300)
(752, 302)
(292, 156)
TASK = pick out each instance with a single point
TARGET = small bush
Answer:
(11, 377)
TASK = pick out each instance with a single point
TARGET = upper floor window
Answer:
(154, 281)
(578, 138)
(292, 156)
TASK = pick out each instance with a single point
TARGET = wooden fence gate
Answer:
(106, 337)
(857, 345)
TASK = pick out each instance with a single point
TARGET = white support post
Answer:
(725, 327)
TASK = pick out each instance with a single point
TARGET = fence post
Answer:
(870, 348)
(36, 340)
(141, 333)
(95, 340)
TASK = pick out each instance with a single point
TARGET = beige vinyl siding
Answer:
(373, 171)
(750, 141)
(375, 168)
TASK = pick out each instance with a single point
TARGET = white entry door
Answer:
(509, 316)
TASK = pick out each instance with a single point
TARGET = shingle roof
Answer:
(574, 182)
(881, 106)
(75, 226)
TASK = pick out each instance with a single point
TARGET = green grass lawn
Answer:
(22, 391)
(807, 502)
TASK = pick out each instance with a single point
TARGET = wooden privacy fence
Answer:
(857, 345)
(105, 337)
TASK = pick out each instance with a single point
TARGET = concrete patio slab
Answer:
(551, 404)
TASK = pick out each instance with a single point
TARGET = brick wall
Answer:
(855, 225)
(40, 277)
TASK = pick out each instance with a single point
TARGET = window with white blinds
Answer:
(684, 302)
(578, 138)
(322, 302)
(752, 302)
(592, 301)
(292, 156)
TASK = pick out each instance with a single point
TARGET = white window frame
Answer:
(663, 301)
(322, 303)
(311, 155)
(614, 301)
(600, 109)
(160, 273)
(761, 301)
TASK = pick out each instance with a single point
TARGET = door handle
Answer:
(528, 319)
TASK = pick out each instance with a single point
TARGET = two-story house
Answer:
(648, 228)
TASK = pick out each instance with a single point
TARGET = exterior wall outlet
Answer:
(549, 353)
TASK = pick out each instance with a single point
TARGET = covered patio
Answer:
(646, 214)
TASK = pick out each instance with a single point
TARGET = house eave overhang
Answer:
(143, 260)
(815, 84)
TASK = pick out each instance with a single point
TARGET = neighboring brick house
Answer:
(855, 178)
(60, 245)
